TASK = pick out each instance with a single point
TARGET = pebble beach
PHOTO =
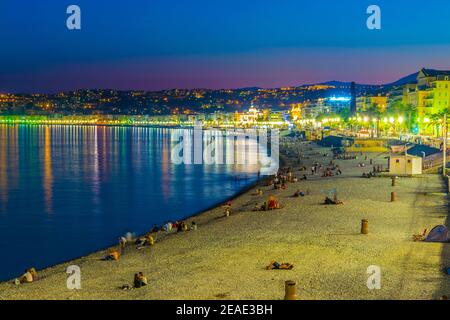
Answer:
(225, 258)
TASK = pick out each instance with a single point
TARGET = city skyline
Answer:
(157, 45)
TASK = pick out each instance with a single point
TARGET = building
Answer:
(248, 118)
(365, 102)
(430, 93)
(322, 106)
(401, 164)
(296, 112)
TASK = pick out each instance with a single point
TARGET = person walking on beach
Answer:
(122, 244)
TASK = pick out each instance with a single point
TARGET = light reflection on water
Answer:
(66, 191)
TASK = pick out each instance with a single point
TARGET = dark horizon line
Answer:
(219, 89)
(187, 89)
(51, 92)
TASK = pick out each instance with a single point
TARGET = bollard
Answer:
(290, 290)
(393, 196)
(364, 226)
(393, 181)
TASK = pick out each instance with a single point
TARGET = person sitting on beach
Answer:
(139, 242)
(27, 277)
(264, 207)
(149, 241)
(327, 173)
(273, 204)
(279, 266)
(298, 193)
(33, 273)
(182, 226)
(256, 207)
(140, 280)
(193, 226)
(258, 192)
(334, 201)
(227, 212)
(155, 228)
(122, 242)
(114, 255)
(168, 227)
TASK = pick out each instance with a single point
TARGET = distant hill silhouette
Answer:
(347, 84)
(412, 78)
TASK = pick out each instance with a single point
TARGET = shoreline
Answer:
(241, 192)
(241, 187)
(154, 126)
(202, 262)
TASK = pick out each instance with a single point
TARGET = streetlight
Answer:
(444, 149)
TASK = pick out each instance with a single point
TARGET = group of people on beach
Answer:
(147, 240)
(279, 182)
(29, 276)
(271, 204)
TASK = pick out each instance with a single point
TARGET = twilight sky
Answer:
(160, 44)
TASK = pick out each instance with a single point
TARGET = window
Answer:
(409, 161)
(397, 161)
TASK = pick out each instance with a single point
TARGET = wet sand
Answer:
(226, 257)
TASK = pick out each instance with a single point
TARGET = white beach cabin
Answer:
(400, 164)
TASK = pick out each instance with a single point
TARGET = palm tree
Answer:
(410, 112)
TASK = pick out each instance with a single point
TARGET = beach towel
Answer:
(438, 234)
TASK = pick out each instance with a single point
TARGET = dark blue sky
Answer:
(157, 44)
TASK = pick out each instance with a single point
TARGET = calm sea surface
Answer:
(66, 191)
